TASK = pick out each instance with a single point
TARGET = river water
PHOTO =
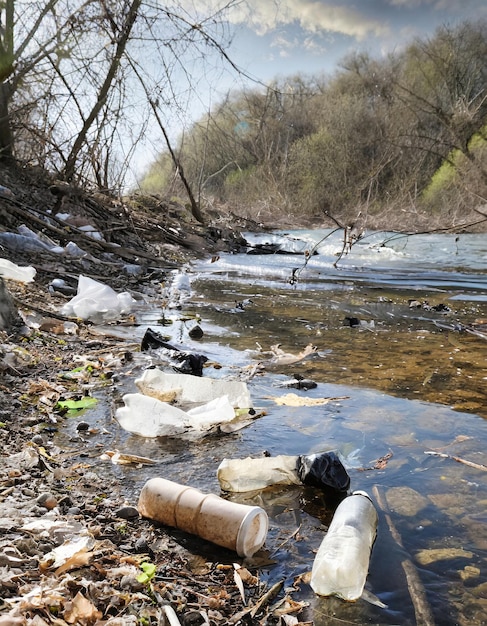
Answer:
(399, 349)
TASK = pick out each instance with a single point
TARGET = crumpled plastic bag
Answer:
(241, 475)
(11, 271)
(149, 417)
(97, 302)
(325, 471)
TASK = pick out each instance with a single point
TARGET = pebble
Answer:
(82, 426)
(47, 500)
(38, 440)
(196, 332)
(74, 510)
(130, 582)
(127, 512)
(141, 545)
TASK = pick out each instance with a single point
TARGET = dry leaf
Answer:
(79, 559)
(239, 582)
(81, 610)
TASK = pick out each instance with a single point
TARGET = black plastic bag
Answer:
(325, 471)
(188, 363)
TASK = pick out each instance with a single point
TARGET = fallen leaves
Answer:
(378, 464)
(81, 610)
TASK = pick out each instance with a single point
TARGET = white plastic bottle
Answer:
(342, 561)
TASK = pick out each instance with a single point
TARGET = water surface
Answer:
(410, 378)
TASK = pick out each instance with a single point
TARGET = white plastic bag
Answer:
(186, 388)
(11, 271)
(96, 301)
(149, 417)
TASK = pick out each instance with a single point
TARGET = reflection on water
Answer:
(410, 384)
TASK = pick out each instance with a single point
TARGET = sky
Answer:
(284, 37)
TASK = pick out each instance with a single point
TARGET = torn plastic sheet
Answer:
(149, 417)
(96, 302)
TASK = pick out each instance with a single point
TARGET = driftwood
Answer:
(422, 610)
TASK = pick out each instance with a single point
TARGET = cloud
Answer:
(312, 16)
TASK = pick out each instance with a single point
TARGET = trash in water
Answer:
(299, 382)
(240, 475)
(97, 302)
(292, 399)
(123, 458)
(235, 526)
(324, 470)
(186, 388)
(279, 357)
(342, 562)
(185, 362)
(149, 417)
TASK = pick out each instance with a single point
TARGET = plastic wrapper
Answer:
(324, 471)
(97, 302)
(186, 388)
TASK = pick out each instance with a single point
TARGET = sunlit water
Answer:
(410, 380)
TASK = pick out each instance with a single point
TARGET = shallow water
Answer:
(409, 383)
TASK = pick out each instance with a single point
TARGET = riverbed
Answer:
(401, 353)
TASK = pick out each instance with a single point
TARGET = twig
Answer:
(422, 610)
(458, 459)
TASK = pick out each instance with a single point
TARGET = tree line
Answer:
(84, 83)
(393, 140)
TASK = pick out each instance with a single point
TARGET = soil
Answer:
(71, 550)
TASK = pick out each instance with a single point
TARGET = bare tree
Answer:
(69, 98)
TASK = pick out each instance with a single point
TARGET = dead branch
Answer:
(422, 610)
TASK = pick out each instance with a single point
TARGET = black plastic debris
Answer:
(353, 322)
(299, 382)
(188, 363)
(325, 471)
(154, 340)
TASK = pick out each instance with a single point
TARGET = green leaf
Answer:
(77, 405)
(149, 571)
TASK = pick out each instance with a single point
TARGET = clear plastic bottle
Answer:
(342, 561)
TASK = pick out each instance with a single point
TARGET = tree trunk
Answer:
(6, 151)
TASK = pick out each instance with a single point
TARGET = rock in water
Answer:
(9, 316)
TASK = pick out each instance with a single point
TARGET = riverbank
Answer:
(72, 549)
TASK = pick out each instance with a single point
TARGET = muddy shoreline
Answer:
(49, 495)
